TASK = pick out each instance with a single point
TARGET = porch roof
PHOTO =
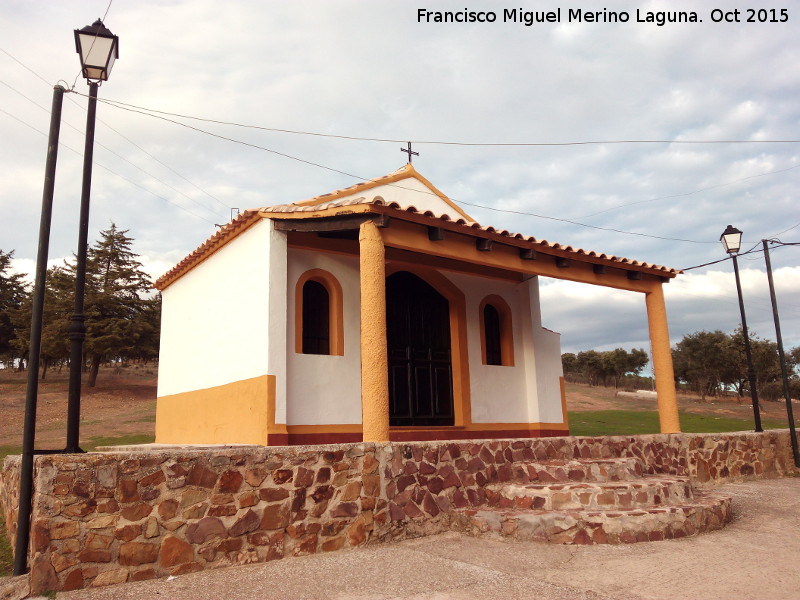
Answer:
(356, 200)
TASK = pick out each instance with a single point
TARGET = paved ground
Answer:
(757, 556)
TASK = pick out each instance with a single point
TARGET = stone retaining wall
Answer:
(104, 518)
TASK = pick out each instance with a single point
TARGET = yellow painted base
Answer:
(242, 412)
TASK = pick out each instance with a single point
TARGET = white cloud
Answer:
(594, 317)
(366, 68)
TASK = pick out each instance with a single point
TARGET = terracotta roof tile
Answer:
(249, 217)
(377, 200)
(221, 237)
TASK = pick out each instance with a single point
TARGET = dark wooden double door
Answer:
(418, 340)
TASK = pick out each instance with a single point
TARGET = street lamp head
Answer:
(731, 239)
(98, 48)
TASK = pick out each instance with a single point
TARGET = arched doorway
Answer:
(418, 341)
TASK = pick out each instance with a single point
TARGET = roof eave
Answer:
(411, 214)
(226, 234)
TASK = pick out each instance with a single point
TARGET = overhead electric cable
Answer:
(166, 166)
(154, 113)
(437, 142)
(321, 166)
(24, 66)
(102, 166)
(684, 288)
(756, 249)
(796, 225)
(161, 181)
(713, 262)
(683, 195)
(97, 33)
(649, 235)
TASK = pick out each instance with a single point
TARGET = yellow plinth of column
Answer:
(374, 357)
(662, 361)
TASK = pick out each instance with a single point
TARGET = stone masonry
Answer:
(111, 517)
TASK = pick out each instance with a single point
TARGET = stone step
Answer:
(649, 491)
(583, 469)
(706, 512)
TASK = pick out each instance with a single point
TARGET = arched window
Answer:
(316, 318)
(497, 341)
(319, 327)
(491, 333)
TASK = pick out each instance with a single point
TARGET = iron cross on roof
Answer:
(410, 152)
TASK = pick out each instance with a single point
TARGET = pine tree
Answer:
(58, 294)
(118, 303)
(13, 292)
(58, 299)
(149, 330)
(122, 313)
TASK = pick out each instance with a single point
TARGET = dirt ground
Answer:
(586, 398)
(122, 403)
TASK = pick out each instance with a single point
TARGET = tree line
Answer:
(123, 324)
(708, 363)
(613, 367)
(712, 362)
(122, 312)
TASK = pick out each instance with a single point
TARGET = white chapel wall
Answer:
(498, 393)
(549, 368)
(411, 192)
(528, 392)
(215, 318)
(324, 390)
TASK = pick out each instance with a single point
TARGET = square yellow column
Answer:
(662, 360)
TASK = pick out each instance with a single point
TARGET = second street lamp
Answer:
(98, 49)
(781, 356)
(731, 240)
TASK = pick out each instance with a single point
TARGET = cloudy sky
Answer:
(369, 69)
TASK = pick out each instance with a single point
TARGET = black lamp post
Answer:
(37, 312)
(98, 49)
(731, 240)
(781, 356)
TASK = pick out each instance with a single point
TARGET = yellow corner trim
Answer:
(241, 412)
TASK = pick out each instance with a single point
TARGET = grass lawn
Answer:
(93, 443)
(637, 422)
